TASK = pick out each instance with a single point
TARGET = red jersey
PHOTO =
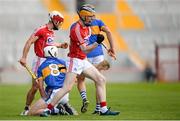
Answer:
(45, 37)
(78, 35)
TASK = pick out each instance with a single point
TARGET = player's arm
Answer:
(110, 39)
(89, 48)
(61, 45)
(26, 48)
(41, 83)
(41, 89)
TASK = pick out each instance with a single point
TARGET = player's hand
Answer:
(22, 61)
(112, 54)
(64, 45)
(100, 38)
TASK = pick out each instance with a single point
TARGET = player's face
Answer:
(88, 20)
(58, 24)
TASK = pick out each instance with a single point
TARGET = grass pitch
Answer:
(157, 101)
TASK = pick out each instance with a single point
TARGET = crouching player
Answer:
(52, 72)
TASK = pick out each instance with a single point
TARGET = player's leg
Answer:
(82, 90)
(101, 65)
(31, 93)
(99, 80)
(40, 105)
(68, 84)
(81, 86)
(30, 97)
(99, 62)
(97, 108)
(59, 109)
(75, 66)
(37, 108)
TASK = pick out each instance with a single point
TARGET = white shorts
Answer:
(63, 100)
(37, 61)
(96, 60)
(77, 66)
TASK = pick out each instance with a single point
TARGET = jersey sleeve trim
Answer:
(78, 34)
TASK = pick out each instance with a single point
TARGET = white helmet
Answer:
(56, 18)
(51, 51)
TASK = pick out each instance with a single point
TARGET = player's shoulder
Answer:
(73, 25)
(40, 29)
(97, 22)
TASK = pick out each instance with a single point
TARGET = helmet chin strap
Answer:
(54, 26)
(83, 20)
(87, 24)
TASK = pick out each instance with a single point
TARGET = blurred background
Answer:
(145, 32)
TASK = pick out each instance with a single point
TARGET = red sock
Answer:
(103, 104)
(50, 106)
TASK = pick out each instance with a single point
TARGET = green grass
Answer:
(134, 101)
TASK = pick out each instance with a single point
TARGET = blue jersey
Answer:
(52, 71)
(96, 27)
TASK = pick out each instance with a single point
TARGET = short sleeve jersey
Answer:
(52, 71)
(78, 35)
(45, 37)
(96, 27)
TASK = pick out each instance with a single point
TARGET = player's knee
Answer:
(80, 78)
(67, 88)
(101, 79)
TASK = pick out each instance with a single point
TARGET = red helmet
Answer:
(57, 16)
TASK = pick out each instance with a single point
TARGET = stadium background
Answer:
(137, 27)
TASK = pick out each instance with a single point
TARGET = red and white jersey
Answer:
(78, 35)
(46, 37)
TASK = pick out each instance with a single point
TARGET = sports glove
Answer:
(100, 38)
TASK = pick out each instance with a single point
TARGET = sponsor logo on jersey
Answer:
(50, 40)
